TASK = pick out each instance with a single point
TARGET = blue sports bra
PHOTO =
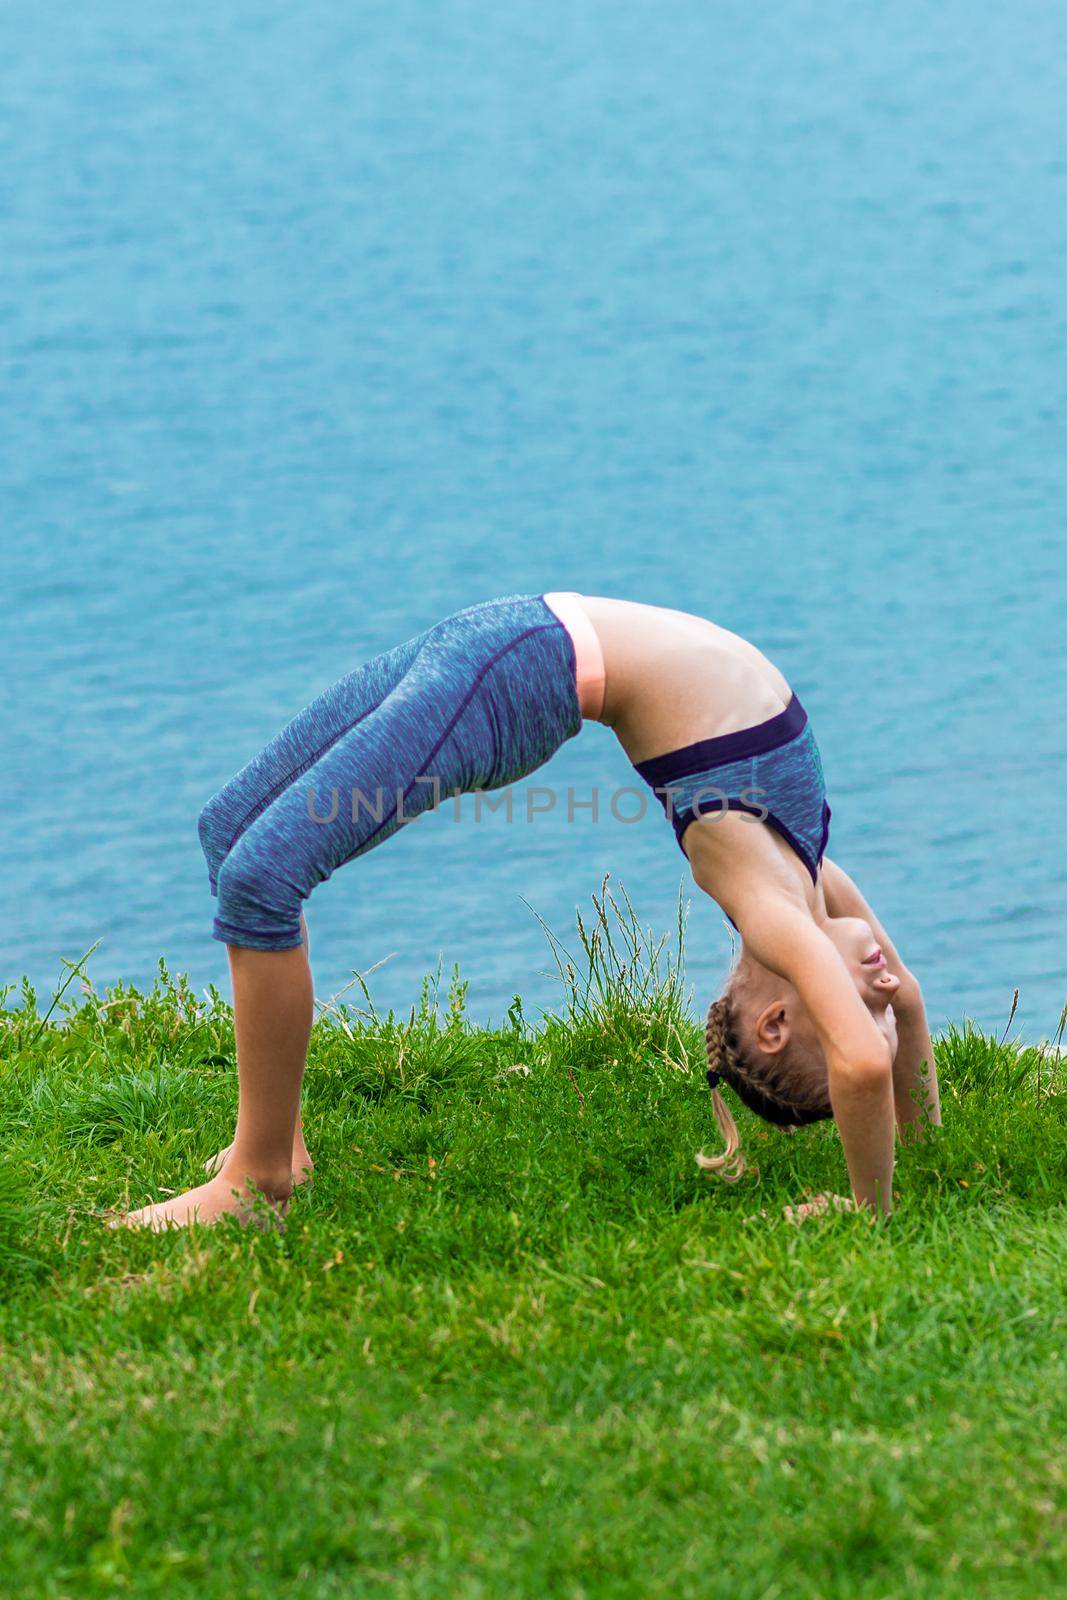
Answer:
(772, 770)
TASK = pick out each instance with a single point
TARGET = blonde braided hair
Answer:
(722, 1054)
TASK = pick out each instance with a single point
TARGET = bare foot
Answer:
(219, 1197)
(817, 1206)
(303, 1166)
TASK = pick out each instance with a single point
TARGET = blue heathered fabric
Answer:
(785, 787)
(476, 702)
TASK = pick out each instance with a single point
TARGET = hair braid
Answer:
(722, 1058)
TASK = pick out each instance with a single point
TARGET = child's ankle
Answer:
(273, 1183)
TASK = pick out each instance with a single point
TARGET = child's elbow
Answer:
(869, 1069)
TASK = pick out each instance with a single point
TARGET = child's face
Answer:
(859, 950)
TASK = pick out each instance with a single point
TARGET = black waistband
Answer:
(708, 753)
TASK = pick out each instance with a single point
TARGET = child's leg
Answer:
(273, 1008)
(302, 1164)
(303, 741)
(262, 881)
(485, 700)
(273, 1012)
(264, 855)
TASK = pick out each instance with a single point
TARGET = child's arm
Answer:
(780, 933)
(914, 1071)
(914, 1068)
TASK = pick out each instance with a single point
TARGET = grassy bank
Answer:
(513, 1343)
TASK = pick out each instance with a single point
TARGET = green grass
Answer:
(514, 1343)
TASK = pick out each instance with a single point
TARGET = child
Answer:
(819, 1018)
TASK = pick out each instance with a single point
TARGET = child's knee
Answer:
(257, 906)
(214, 829)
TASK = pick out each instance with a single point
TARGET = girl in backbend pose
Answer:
(819, 1018)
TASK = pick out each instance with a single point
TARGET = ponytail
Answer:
(718, 1036)
(731, 1164)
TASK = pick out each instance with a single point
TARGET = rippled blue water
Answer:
(320, 322)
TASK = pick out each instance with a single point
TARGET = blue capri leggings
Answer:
(476, 702)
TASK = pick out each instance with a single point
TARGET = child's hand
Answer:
(815, 1207)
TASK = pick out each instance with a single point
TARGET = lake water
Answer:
(321, 322)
